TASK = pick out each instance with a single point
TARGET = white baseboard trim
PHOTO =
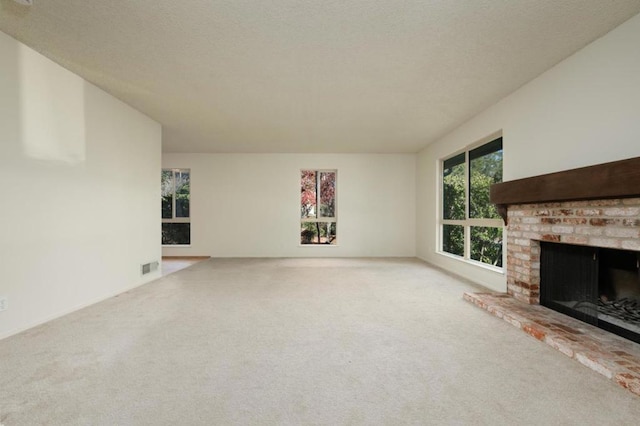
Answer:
(156, 275)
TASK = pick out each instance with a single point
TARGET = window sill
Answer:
(176, 245)
(491, 268)
(318, 245)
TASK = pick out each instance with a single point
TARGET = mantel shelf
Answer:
(618, 179)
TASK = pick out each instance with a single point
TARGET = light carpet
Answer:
(297, 342)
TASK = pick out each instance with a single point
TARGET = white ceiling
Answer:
(310, 75)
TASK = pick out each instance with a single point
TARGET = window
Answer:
(176, 226)
(318, 207)
(470, 226)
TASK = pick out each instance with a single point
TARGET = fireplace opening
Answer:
(600, 286)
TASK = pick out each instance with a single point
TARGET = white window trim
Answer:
(468, 222)
(333, 219)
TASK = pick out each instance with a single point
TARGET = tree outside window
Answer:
(470, 225)
(176, 203)
(318, 207)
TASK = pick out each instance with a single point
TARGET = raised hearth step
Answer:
(614, 357)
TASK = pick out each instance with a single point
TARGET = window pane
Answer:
(167, 194)
(327, 194)
(486, 245)
(453, 239)
(308, 194)
(176, 233)
(485, 169)
(453, 196)
(183, 185)
(318, 233)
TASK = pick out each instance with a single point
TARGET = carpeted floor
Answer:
(173, 264)
(297, 342)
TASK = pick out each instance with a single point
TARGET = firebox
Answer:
(600, 286)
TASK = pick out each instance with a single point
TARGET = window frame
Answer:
(323, 219)
(468, 222)
(174, 218)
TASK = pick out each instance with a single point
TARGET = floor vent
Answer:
(149, 267)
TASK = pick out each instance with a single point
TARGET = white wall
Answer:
(247, 205)
(584, 111)
(80, 186)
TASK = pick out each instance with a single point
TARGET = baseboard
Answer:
(186, 257)
(60, 314)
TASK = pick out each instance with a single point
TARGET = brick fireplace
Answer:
(596, 206)
(610, 223)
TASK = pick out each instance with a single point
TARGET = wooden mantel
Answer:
(618, 179)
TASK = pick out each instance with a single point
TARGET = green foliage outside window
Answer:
(453, 239)
(486, 245)
(318, 233)
(175, 205)
(485, 169)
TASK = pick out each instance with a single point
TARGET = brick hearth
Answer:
(614, 357)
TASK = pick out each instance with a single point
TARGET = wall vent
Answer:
(149, 267)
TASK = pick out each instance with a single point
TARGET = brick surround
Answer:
(597, 223)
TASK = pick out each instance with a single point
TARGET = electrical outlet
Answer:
(3, 304)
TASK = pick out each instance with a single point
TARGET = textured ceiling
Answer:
(310, 75)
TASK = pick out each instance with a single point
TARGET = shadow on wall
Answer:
(42, 108)
(51, 110)
(10, 128)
